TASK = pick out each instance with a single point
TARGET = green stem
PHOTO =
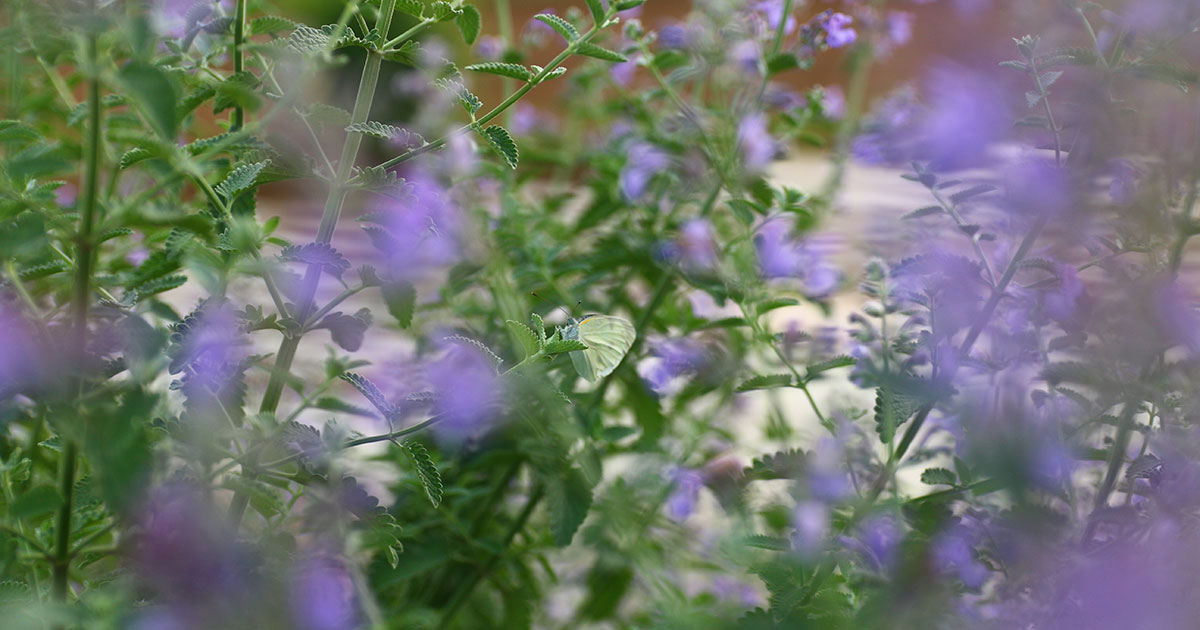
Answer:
(329, 218)
(409, 34)
(239, 59)
(464, 590)
(499, 109)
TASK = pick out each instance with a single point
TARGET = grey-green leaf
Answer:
(427, 471)
(240, 179)
(401, 300)
(510, 70)
(939, 477)
(561, 26)
(469, 23)
(155, 95)
(766, 381)
(589, 49)
(569, 498)
(503, 143)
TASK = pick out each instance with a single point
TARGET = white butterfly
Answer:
(607, 338)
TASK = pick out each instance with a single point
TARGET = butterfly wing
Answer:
(608, 338)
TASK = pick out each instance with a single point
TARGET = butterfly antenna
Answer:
(559, 307)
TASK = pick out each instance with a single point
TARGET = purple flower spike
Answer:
(642, 162)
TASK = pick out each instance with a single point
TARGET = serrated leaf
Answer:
(766, 381)
(427, 472)
(892, 408)
(401, 300)
(840, 361)
(240, 179)
(469, 23)
(510, 70)
(159, 285)
(133, 156)
(503, 143)
(973, 191)
(1032, 99)
(559, 346)
(1048, 78)
(414, 8)
(939, 477)
(770, 543)
(477, 345)
(923, 212)
(561, 26)
(377, 129)
(525, 336)
(331, 260)
(371, 392)
(270, 24)
(568, 498)
(347, 331)
(539, 327)
(589, 49)
(444, 11)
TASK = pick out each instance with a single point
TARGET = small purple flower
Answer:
(686, 492)
(642, 162)
(1178, 316)
(622, 73)
(880, 538)
(781, 256)
(323, 596)
(468, 391)
(965, 116)
(20, 360)
(838, 29)
(757, 145)
(1064, 302)
(695, 245)
(525, 119)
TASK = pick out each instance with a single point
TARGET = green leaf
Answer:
(238, 90)
(155, 95)
(427, 471)
(939, 477)
(607, 582)
(38, 501)
(401, 300)
(589, 49)
(270, 24)
(370, 392)
(597, 10)
(469, 23)
(379, 130)
(444, 11)
(118, 449)
(766, 381)
(331, 260)
(539, 327)
(770, 543)
(503, 143)
(781, 62)
(240, 179)
(414, 8)
(568, 499)
(510, 70)
(525, 336)
(478, 345)
(133, 156)
(892, 408)
(923, 212)
(828, 364)
(559, 346)
(973, 191)
(561, 26)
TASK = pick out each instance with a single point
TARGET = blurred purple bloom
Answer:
(965, 116)
(773, 10)
(673, 37)
(781, 256)
(737, 592)
(670, 359)
(837, 27)
(184, 549)
(1063, 302)
(899, 27)
(953, 555)
(1123, 184)
(1037, 187)
(695, 244)
(757, 145)
(422, 227)
(21, 362)
(489, 48)
(642, 162)
(622, 73)
(65, 195)
(886, 137)
(525, 119)
(880, 538)
(323, 596)
(833, 101)
(746, 54)
(468, 391)
(811, 520)
(686, 492)
(1178, 316)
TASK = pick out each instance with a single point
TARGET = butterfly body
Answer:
(607, 338)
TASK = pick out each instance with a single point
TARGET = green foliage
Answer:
(427, 472)
(510, 70)
(503, 143)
